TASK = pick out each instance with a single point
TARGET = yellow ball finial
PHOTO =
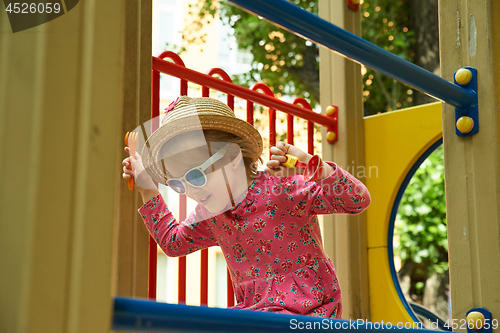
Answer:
(330, 110)
(331, 136)
(475, 320)
(465, 124)
(463, 76)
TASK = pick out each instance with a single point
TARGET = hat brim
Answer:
(151, 150)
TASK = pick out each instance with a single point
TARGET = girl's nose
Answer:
(192, 190)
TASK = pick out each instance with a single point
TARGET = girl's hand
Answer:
(142, 180)
(274, 166)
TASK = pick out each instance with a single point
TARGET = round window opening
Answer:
(419, 239)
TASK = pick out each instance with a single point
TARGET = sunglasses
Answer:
(196, 176)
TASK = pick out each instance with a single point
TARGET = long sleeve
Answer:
(340, 193)
(174, 238)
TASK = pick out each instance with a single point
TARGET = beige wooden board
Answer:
(61, 97)
(132, 238)
(345, 236)
(469, 36)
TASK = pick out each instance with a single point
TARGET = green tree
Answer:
(285, 62)
(290, 65)
(421, 229)
(421, 219)
(385, 23)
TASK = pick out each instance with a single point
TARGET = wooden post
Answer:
(62, 93)
(345, 235)
(470, 36)
(132, 236)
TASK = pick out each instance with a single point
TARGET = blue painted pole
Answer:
(317, 30)
(149, 316)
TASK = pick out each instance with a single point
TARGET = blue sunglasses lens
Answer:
(177, 186)
(196, 178)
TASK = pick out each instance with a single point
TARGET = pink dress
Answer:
(271, 240)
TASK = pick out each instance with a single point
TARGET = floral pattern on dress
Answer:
(271, 240)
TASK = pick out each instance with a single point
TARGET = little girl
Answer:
(265, 224)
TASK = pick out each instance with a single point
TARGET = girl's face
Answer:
(224, 178)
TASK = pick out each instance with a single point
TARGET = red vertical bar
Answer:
(230, 101)
(153, 255)
(204, 277)
(310, 137)
(184, 87)
(182, 268)
(153, 259)
(205, 92)
(289, 129)
(250, 112)
(204, 253)
(230, 290)
(155, 100)
(272, 129)
(310, 125)
(181, 285)
(229, 282)
(152, 249)
(181, 297)
(272, 113)
(181, 275)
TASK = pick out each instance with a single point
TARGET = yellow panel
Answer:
(393, 143)
(384, 300)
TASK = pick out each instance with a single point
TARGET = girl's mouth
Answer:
(205, 199)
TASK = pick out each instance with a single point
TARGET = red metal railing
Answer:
(190, 75)
(155, 113)
(299, 108)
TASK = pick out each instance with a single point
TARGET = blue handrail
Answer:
(430, 316)
(148, 316)
(310, 26)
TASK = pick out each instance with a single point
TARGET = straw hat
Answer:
(188, 114)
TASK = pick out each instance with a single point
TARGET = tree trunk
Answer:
(404, 276)
(424, 22)
(436, 294)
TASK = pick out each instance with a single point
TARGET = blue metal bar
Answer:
(431, 317)
(308, 25)
(148, 316)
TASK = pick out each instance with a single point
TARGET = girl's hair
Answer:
(184, 142)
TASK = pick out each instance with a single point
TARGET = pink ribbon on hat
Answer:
(171, 105)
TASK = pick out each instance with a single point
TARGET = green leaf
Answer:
(421, 218)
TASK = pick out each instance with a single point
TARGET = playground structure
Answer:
(76, 266)
(400, 158)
